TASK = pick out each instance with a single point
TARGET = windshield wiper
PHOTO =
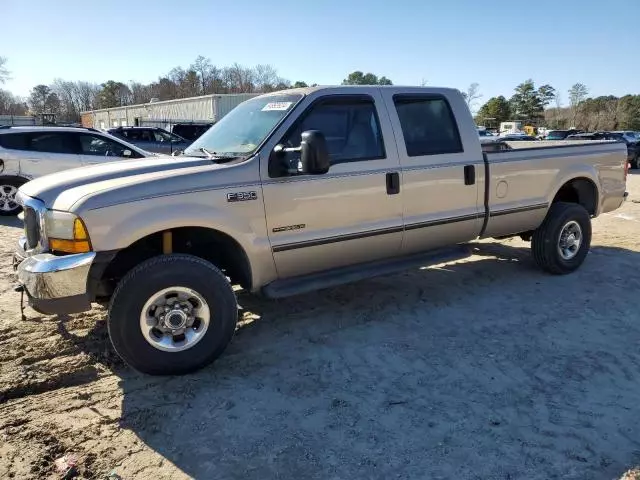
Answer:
(218, 156)
(209, 154)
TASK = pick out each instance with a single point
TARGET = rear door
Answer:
(49, 152)
(442, 175)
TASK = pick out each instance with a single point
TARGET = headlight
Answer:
(66, 232)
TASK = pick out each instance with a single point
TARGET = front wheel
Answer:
(562, 242)
(172, 314)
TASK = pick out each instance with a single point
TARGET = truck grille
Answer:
(31, 227)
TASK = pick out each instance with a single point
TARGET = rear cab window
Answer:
(428, 125)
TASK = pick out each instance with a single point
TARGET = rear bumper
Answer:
(54, 284)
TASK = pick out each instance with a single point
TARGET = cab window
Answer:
(351, 128)
(428, 126)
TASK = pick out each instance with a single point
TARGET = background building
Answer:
(207, 108)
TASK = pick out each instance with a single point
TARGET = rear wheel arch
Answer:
(580, 190)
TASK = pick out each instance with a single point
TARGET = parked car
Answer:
(518, 138)
(151, 139)
(292, 192)
(628, 138)
(561, 134)
(30, 152)
(633, 146)
(190, 130)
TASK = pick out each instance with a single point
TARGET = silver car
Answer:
(30, 152)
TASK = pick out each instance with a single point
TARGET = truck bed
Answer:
(524, 180)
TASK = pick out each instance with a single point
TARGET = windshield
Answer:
(243, 129)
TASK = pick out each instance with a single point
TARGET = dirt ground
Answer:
(480, 369)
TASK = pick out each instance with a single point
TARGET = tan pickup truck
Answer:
(291, 192)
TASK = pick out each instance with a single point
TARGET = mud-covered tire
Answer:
(151, 277)
(8, 188)
(546, 239)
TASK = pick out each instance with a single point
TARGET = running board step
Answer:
(354, 273)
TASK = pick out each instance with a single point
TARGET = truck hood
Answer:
(119, 182)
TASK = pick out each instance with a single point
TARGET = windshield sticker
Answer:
(276, 106)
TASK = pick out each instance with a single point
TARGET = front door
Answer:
(442, 183)
(348, 215)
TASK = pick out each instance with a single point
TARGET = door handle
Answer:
(393, 183)
(469, 175)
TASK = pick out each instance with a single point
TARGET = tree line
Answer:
(543, 106)
(540, 106)
(66, 99)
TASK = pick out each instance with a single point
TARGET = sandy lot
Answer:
(484, 368)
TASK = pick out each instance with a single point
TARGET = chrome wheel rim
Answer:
(8, 198)
(570, 240)
(175, 319)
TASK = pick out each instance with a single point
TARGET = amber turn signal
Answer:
(79, 244)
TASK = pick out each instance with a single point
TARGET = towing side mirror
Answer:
(310, 158)
(314, 155)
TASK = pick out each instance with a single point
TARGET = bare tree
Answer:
(557, 112)
(11, 104)
(206, 72)
(472, 94)
(238, 79)
(87, 95)
(67, 94)
(139, 93)
(4, 73)
(265, 78)
(577, 94)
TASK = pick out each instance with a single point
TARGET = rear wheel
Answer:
(562, 242)
(8, 191)
(635, 163)
(172, 314)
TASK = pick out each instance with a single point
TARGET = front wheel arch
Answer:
(211, 245)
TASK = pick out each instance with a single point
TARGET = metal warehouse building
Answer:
(207, 108)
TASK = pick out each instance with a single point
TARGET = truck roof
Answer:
(346, 89)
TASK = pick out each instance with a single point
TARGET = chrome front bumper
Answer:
(54, 284)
